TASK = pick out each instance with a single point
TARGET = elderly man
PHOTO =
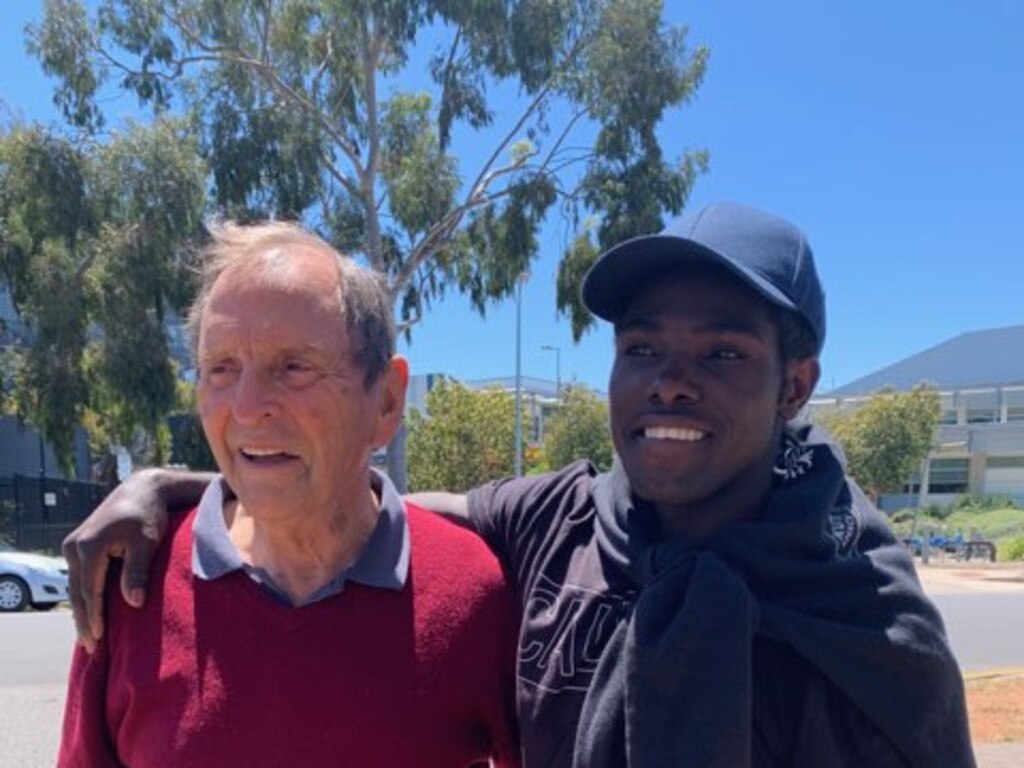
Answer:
(725, 596)
(301, 615)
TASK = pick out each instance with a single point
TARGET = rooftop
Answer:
(988, 358)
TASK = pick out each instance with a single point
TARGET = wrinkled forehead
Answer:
(278, 286)
(285, 271)
(287, 267)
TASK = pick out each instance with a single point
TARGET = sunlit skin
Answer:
(290, 419)
(699, 395)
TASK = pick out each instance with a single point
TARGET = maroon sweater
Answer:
(218, 673)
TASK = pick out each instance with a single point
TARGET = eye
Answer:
(725, 353)
(298, 372)
(218, 373)
(638, 349)
(633, 343)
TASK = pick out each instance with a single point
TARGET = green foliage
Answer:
(936, 511)
(92, 250)
(578, 430)
(188, 441)
(465, 438)
(46, 223)
(996, 524)
(902, 516)
(1012, 549)
(886, 438)
(302, 108)
(970, 503)
(189, 446)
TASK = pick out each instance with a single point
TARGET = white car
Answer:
(29, 579)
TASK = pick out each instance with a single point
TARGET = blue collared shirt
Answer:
(384, 561)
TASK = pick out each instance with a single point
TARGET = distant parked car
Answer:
(29, 579)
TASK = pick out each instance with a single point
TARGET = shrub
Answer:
(935, 512)
(967, 503)
(1000, 502)
(902, 516)
(1012, 549)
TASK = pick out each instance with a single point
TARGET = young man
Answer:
(295, 615)
(725, 596)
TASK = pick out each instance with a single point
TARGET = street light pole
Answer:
(519, 374)
(558, 368)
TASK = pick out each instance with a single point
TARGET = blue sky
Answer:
(891, 132)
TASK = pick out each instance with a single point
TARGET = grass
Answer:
(1001, 525)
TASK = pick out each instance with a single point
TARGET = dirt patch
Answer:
(996, 708)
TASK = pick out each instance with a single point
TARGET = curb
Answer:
(993, 674)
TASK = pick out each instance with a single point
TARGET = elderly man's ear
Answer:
(392, 383)
(801, 378)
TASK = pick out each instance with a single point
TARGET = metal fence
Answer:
(37, 513)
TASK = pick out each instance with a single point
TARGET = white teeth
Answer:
(673, 433)
(261, 451)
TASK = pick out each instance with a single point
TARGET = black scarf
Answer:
(818, 570)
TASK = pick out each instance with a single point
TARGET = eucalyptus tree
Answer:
(94, 240)
(358, 115)
(430, 138)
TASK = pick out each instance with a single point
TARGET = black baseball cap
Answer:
(766, 252)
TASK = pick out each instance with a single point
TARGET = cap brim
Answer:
(611, 283)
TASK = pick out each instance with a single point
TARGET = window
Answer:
(948, 475)
(982, 406)
(1013, 398)
(948, 413)
(913, 484)
(1005, 462)
(982, 415)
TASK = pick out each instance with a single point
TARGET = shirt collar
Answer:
(383, 563)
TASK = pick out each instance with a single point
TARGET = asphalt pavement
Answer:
(35, 653)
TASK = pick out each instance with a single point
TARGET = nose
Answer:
(674, 381)
(253, 400)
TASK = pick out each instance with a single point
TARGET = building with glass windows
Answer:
(979, 444)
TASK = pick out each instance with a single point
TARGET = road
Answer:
(35, 651)
(985, 630)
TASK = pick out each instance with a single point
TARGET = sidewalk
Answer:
(1006, 755)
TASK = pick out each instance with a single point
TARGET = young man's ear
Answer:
(801, 378)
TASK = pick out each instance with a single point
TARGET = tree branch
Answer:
(371, 45)
(273, 80)
(446, 84)
(542, 94)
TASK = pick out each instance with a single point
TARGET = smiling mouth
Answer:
(264, 455)
(676, 434)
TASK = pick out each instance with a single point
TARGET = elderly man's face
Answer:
(283, 401)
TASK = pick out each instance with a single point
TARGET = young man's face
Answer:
(699, 394)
